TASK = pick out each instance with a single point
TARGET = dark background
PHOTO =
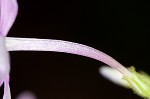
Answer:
(118, 28)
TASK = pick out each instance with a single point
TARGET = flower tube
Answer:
(139, 82)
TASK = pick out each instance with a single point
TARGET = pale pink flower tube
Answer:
(32, 44)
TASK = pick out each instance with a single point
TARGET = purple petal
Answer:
(8, 12)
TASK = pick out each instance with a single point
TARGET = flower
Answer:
(8, 13)
(139, 82)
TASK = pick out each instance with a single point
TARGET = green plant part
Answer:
(139, 82)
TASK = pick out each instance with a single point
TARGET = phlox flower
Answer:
(139, 82)
(8, 12)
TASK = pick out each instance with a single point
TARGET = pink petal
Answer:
(8, 12)
(7, 94)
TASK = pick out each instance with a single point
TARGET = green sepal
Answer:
(139, 82)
